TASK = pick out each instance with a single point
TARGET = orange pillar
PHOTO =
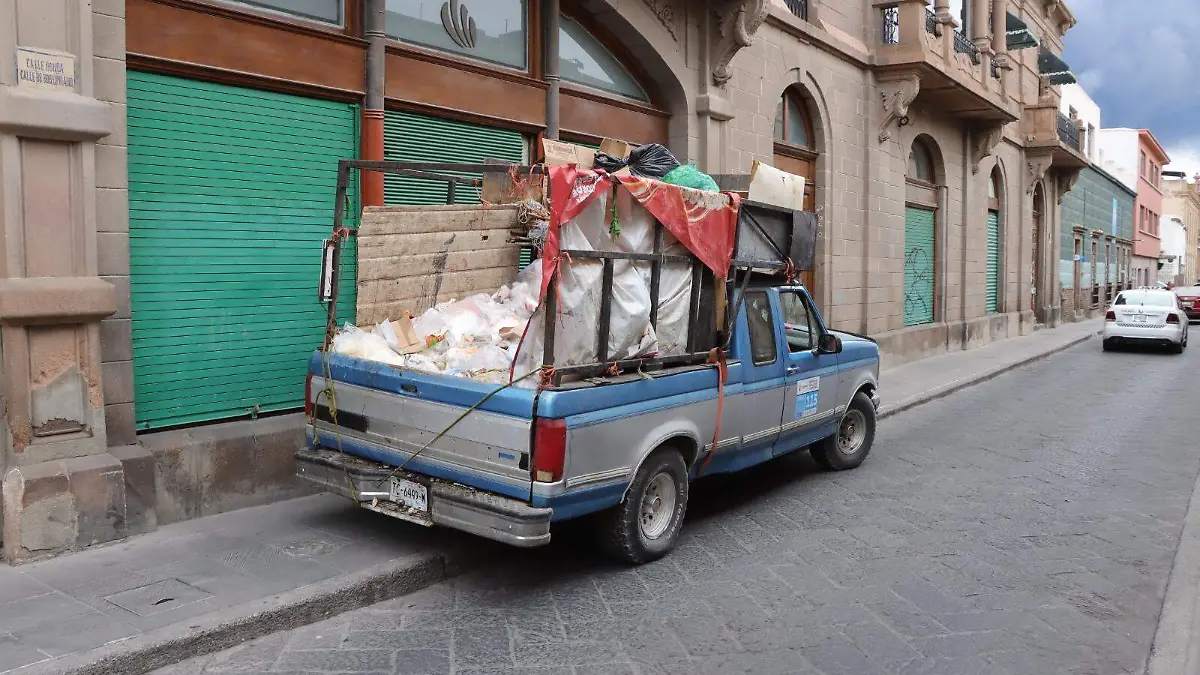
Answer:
(372, 148)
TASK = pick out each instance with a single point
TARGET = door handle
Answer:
(792, 370)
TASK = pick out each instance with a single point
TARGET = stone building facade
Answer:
(1181, 200)
(893, 89)
(931, 139)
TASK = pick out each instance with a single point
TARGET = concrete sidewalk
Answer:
(204, 585)
(919, 382)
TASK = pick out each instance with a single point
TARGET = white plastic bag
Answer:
(360, 344)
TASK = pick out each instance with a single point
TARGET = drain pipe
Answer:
(372, 124)
(550, 24)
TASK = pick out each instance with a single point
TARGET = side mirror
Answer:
(829, 343)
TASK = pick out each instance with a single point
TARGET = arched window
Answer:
(796, 151)
(792, 124)
(920, 163)
(583, 60)
(795, 142)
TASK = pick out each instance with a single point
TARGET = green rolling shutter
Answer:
(993, 261)
(231, 192)
(409, 137)
(918, 266)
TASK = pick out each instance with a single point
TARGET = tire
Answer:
(1177, 348)
(660, 484)
(839, 453)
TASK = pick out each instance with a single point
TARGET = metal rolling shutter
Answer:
(993, 261)
(918, 266)
(231, 192)
(409, 137)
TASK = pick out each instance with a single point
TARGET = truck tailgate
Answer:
(386, 414)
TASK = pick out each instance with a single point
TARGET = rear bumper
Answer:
(1170, 333)
(502, 519)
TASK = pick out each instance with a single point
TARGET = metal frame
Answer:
(657, 258)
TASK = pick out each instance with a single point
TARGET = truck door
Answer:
(810, 406)
(755, 414)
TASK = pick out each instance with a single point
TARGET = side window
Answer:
(798, 323)
(762, 328)
(1120, 299)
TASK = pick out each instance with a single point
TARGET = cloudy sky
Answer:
(1140, 61)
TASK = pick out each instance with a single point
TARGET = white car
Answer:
(1147, 316)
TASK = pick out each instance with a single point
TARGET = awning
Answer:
(1054, 69)
(1019, 35)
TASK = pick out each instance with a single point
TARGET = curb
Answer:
(958, 385)
(228, 628)
(1174, 651)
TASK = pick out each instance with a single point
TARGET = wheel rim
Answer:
(852, 432)
(658, 506)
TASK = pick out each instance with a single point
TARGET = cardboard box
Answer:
(559, 153)
(614, 148)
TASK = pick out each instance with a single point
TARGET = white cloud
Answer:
(1185, 157)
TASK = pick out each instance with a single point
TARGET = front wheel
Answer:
(847, 448)
(646, 525)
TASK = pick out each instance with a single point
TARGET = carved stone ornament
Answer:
(983, 144)
(897, 96)
(665, 11)
(738, 20)
(1066, 182)
(1037, 165)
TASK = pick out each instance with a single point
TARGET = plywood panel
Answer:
(411, 258)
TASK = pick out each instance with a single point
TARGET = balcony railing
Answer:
(891, 26)
(1068, 133)
(964, 45)
(799, 8)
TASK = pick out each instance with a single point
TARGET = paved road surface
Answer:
(1025, 526)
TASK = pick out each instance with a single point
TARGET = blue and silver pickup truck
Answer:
(508, 464)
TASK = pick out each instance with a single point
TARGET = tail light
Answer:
(549, 450)
(308, 402)
(1110, 316)
(1173, 318)
(1196, 302)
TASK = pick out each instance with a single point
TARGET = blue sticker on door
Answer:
(807, 392)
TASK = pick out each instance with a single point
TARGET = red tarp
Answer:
(706, 231)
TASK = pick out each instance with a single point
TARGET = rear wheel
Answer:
(646, 525)
(847, 448)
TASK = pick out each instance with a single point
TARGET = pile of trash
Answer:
(476, 337)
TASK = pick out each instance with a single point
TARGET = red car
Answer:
(1189, 300)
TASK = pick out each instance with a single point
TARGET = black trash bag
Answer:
(608, 162)
(652, 160)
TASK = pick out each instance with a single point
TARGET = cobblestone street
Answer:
(1024, 526)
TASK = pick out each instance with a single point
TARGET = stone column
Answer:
(980, 31)
(63, 195)
(941, 10)
(1000, 34)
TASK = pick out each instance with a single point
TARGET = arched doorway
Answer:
(796, 152)
(993, 242)
(920, 235)
(1039, 208)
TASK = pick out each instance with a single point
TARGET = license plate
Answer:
(410, 494)
(1139, 318)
